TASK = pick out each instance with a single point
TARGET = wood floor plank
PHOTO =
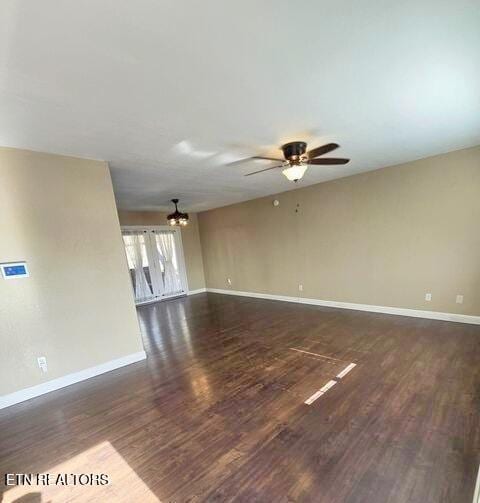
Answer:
(217, 412)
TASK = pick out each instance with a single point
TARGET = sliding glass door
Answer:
(155, 261)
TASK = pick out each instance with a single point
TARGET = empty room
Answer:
(239, 251)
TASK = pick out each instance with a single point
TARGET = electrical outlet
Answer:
(428, 297)
(459, 299)
(42, 363)
(229, 281)
(300, 288)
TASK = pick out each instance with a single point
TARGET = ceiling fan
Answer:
(297, 159)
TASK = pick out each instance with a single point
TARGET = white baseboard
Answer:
(416, 313)
(476, 494)
(198, 290)
(62, 382)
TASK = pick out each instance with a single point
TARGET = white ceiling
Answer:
(168, 91)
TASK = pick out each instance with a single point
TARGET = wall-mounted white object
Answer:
(428, 297)
(14, 270)
(459, 299)
(276, 202)
(42, 363)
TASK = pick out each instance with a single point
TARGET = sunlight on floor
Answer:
(125, 485)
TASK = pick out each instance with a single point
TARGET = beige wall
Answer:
(384, 238)
(58, 213)
(190, 240)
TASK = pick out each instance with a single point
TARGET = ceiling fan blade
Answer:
(324, 149)
(238, 161)
(267, 158)
(262, 170)
(247, 159)
(328, 161)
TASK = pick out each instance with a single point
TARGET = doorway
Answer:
(155, 262)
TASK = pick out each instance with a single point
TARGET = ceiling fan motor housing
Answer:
(294, 150)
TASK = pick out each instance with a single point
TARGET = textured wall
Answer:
(58, 213)
(384, 237)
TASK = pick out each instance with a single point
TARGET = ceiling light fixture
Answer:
(297, 159)
(177, 217)
(295, 172)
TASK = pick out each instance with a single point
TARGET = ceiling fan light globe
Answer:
(296, 172)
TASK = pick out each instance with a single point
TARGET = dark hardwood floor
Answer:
(217, 412)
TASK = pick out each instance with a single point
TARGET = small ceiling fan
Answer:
(297, 159)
